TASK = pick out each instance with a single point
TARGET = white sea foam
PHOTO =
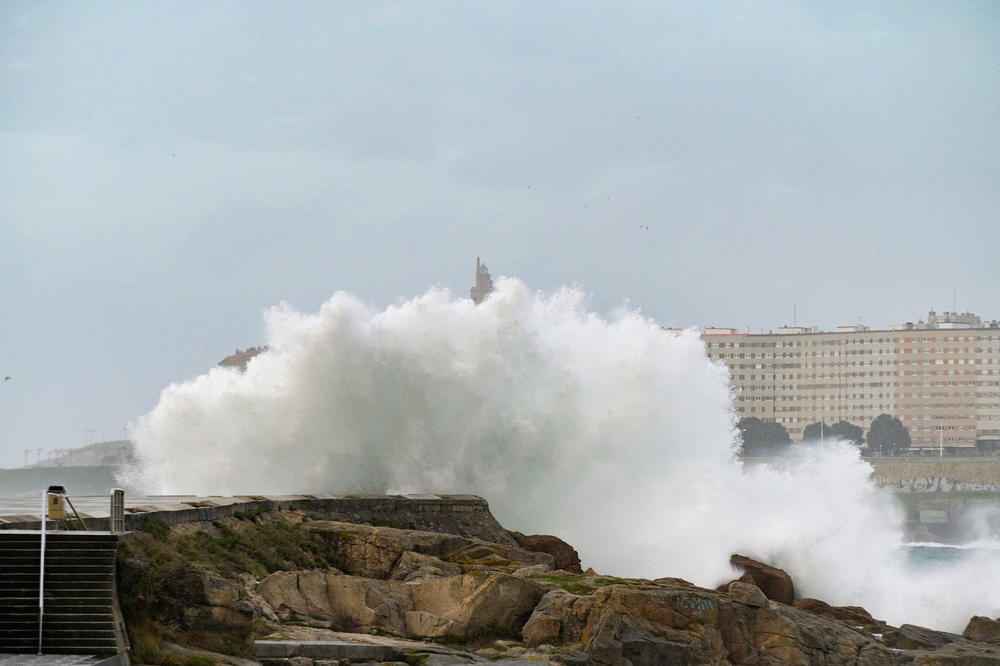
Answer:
(609, 432)
(972, 545)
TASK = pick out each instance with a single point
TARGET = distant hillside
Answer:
(24, 482)
(100, 454)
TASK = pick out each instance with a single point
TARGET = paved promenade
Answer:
(20, 509)
(24, 513)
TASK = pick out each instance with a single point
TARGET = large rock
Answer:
(790, 635)
(427, 625)
(345, 603)
(559, 617)
(362, 604)
(852, 617)
(772, 581)
(748, 594)
(461, 605)
(982, 630)
(265, 619)
(566, 557)
(479, 601)
(913, 637)
(213, 603)
(665, 623)
(955, 654)
(373, 552)
(297, 593)
(236, 620)
(214, 590)
(414, 567)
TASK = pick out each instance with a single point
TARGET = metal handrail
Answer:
(41, 556)
(41, 569)
(83, 525)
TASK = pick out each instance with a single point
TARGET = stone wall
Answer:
(938, 474)
(463, 515)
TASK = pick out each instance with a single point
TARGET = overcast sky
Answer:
(170, 169)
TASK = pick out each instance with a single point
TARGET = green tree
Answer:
(845, 430)
(888, 435)
(815, 431)
(762, 438)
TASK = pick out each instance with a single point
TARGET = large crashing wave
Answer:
(609, 432)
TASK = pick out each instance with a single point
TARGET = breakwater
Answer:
(464, 515)
(946, 500)
(912, 474)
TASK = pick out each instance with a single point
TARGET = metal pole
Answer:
(83, 525)
(41, 570)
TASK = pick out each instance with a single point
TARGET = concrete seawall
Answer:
(924, 474)
(969, 471)
(947, 500)
(465, 515)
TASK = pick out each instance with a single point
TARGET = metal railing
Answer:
(116, 525)
(41, 569)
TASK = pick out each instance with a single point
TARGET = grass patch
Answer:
(479, 638)
(160, 576)
(375, 631)
(412, 658)
(488, 561)
(145, 640)
(252, 515)
(390, 523)
(154, 526)
(260, 549)
(582, 584)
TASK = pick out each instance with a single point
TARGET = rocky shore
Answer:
(243, 589)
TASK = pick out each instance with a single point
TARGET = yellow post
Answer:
(57, 502)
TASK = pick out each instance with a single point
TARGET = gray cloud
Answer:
(168, 170)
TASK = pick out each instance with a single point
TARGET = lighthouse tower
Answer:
(484, 283)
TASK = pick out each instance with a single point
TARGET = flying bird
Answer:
(6, 379)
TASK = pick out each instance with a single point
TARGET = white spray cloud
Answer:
(609, 432)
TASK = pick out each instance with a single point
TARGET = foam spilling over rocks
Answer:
(297, 590)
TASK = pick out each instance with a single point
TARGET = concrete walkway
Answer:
(55, 660)
(20, 512)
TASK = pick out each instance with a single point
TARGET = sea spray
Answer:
(610, 432)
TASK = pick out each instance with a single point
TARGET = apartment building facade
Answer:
(941, 378)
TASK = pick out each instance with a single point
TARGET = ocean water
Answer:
(929, 556)
(31, 481)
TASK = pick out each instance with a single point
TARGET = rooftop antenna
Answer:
(794, 315)
(954, 299)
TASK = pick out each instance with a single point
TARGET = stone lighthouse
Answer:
(484, 283)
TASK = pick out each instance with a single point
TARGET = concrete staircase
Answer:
(80, 606)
